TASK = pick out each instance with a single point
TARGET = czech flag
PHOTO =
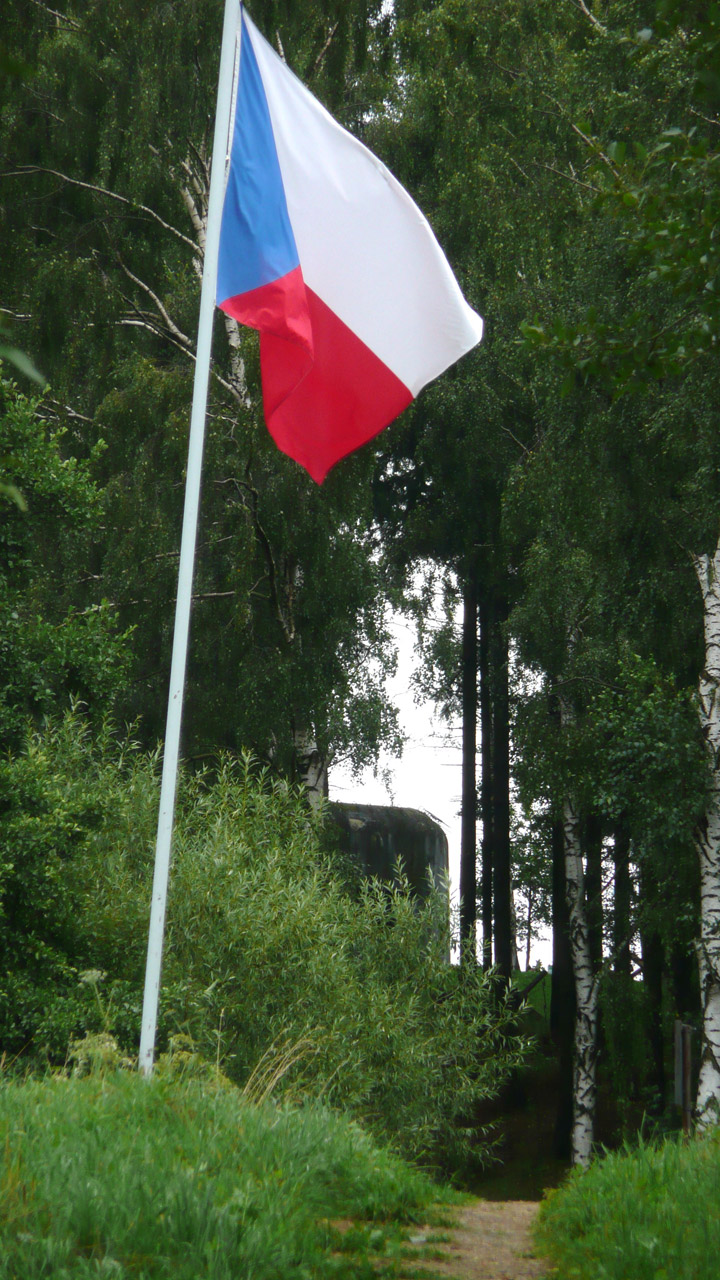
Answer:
(326, 255)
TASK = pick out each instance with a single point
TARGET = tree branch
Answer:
(570, 177)
(243, 487)
(25, 169)
(181, 338)
(580, 4)
(523, 447)
(594, 147)
(321, 56)
(54, 13)
(143, 320)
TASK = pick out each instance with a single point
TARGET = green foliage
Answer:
(531, 876)
(570, 170)
(53, 645)
(625, 1020)
(58, 796)
(271, 967)
(107, 148)
(21, 361)
(649, 1213)
(113, 1175)
(16, 70)
(652, 767)
(390, 1030)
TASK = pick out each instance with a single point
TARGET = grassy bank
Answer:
(651, 1214)
(115, 1176)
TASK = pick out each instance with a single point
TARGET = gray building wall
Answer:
(376, 837)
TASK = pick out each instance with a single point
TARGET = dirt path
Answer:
(491, 1241)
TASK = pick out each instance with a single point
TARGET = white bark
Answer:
(707, 1105)
(514, 957)
(194, 195)
(312, 766)
(586, 994)
(586, 982)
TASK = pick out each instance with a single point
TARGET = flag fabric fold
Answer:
(326, 255)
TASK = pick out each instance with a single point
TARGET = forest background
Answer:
(562, 482)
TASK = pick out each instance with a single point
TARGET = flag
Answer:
(326, 255)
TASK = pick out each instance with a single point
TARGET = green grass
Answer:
(118, 1177)
(652, 1213)
(538, 999)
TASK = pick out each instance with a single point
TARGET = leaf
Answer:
(12, 492)
(21, 362)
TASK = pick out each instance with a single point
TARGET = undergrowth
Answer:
(648, 1213)
(115, 1176)
(272, 969)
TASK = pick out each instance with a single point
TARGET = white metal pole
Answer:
(187, 548)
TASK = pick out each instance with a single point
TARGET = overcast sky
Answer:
(428, 776)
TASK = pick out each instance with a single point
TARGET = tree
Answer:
(105, 191)
(56, 644)
(485, 183)
(662, 194)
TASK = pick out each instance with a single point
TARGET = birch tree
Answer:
(665, 202)
(707, 1107)
(586, 993)
(104, 192)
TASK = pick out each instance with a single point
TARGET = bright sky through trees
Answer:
(428, 774)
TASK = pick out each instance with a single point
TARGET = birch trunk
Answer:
(586, 993)
(562, 997)
(707, 1106)
(486, 779)
(468, 836)
(502, 888)
(311, 766)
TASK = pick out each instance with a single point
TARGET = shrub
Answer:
(271, 966)
(67, 801)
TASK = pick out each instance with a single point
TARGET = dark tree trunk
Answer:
(562, 998)
(502, 889)
(653, 958)
(685, 987)
(622, 903)
(592, 839)
(468, 837)
(486, 779)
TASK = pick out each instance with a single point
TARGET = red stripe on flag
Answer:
(280, 307)
(318, 415)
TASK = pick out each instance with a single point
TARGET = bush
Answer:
(56, 642)
(649, 1213)
(271, 967)
(66, 801)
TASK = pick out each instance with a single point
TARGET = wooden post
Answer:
(683, 1073)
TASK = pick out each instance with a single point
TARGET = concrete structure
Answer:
(378, 837)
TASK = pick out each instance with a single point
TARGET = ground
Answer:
(491, 1241)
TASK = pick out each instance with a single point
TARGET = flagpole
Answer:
(187, 548)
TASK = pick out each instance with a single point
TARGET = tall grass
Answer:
(119, 1177)
(652, 1213)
